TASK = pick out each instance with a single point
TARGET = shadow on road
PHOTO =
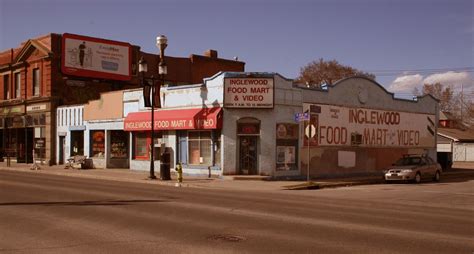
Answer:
(84, 203)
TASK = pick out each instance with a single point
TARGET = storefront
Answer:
(95, 130)
(192, 136)
(23, 132)
(71, 130)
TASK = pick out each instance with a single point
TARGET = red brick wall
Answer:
(204, 67)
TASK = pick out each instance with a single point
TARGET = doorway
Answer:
(77, 143)
(25, 145)
(62, 142)
(248, 155)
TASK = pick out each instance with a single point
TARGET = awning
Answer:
(182, 119)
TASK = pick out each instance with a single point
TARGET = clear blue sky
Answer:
(278, 36)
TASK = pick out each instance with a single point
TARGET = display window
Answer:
(142, 145)
(118, 145)
(286, 146)
(98, 143)
(199, 148)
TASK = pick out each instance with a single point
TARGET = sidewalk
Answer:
(253, 183)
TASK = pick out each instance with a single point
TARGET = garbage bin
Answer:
(165, 173)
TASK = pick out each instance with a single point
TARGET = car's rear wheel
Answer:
(437, 176)
(418, 178)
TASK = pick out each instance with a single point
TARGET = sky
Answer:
(405, 43)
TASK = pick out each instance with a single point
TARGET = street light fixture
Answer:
(147, 87)
(162, 43)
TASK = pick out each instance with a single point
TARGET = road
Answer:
(42, 213)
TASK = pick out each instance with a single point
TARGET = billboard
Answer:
(346, 126)
(248, 92)
(96, 58)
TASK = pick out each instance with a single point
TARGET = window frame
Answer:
(6, 87)
(92, 142)
(17, 85)
(200, 139)
(147, 136)
(36, 81)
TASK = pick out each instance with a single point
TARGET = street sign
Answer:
(300, 117)
(310, 131)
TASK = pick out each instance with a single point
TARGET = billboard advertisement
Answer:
(95, 58)
(248, 92)
(346, 126)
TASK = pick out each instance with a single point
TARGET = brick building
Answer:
(45, 72)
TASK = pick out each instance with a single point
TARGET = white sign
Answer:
(344, 126)
(310, 131)
(94, 57)
(37, 107)
(248, 92)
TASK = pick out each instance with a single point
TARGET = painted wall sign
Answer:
(248, 92)
(13, 110)
(94, 57)
(184, 119)
(344, 126)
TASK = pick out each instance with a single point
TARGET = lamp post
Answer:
(162, 43)
(143, 68)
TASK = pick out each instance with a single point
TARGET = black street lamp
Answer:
(162, 43)
(147, 86)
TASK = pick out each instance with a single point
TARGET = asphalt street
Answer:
(41, 213)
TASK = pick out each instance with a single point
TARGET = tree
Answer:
(320, 72)
(460, 109)
(447, 100)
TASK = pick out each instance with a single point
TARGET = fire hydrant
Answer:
(179, 171)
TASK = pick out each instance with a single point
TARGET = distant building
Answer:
(455, 145)
(53, 70)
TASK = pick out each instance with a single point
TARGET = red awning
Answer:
(182, 119)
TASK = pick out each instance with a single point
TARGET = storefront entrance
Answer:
(25, 145)
(77, 143)
(62, 142)
(248, 155)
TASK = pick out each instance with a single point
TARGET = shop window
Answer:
(118, 145)
(142, 144)
(141, 147)
(98, 143)
(199, 144)
(36, 82)
(286, 146)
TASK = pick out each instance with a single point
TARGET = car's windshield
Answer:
(408, 161)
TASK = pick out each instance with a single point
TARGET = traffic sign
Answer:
(300, 117)
(310, 131)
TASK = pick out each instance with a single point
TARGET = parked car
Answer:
(414, 168)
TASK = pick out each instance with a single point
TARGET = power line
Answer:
(395, 72)
(431, 69)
